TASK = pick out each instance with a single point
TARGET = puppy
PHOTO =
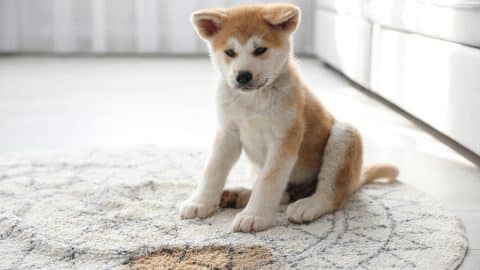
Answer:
(298, 150)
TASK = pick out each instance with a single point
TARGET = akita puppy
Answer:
(297, 149)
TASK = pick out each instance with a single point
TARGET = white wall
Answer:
(115, 26)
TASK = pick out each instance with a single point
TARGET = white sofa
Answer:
(422, 55)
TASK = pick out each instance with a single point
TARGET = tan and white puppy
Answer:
(299, 152)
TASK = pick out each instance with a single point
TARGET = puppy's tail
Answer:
(379, 171)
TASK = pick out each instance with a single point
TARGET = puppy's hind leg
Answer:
(235, 197)
(238, 197)
(339, 175)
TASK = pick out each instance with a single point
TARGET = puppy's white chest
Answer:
(261, 120)
(255, 134)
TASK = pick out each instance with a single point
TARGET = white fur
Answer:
(257, 116)
(245, 122)
(253, 113)
(257, 122)
(321, 202)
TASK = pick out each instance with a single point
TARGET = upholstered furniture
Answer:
(422, 55)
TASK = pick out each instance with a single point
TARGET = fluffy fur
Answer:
(297, 149)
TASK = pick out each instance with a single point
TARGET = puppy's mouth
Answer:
(251, 87)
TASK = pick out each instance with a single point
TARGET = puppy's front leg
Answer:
(268, 189)
(226, 151)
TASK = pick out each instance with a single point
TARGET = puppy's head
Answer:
(250, 45)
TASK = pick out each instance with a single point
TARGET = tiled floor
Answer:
(70, 103)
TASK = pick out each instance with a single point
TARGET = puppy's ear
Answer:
(208, 22)
(285, 17)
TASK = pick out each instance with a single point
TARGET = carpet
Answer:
(118, 209)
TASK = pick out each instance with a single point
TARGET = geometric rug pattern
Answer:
(118, 209)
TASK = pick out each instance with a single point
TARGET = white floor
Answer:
(61, 104)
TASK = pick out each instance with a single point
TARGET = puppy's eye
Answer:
(259, 51)
(230, 53)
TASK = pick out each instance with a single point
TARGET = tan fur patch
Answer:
(290, 146)
(246, 21)
(293, 140)
(318, 123)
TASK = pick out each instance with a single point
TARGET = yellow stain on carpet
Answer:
(209, 257)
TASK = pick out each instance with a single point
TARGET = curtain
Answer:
(116, 26)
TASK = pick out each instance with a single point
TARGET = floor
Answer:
(63, 103)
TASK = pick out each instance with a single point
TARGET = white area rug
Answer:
(99, 209)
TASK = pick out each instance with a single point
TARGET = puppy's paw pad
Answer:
(192, 209)
(303, 211)
(245, 222)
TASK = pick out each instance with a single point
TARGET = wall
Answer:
(116, 26)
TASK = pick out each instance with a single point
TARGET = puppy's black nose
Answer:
(244, 77)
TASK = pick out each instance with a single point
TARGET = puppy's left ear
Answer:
(285, 17)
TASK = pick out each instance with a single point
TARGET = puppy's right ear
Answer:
(208, 22)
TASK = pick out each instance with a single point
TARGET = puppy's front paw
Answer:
(247, 222)
(305, 210)
(193, 209)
